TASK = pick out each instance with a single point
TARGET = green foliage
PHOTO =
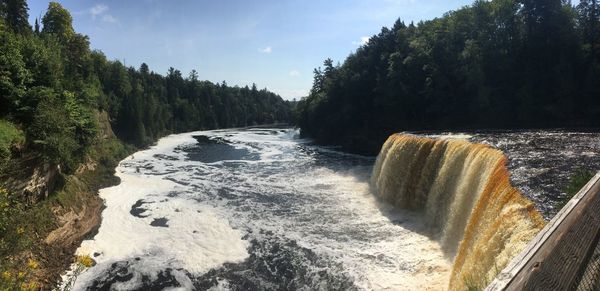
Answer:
(494, 64)
(20, 228)
(51, 131)
(58, 21)
(14, 75)
(62, 128)
(578, 179)
(144, 105)
(52, 85)
(8, 207)
(54, 92)
(10, 136)
(15, 13)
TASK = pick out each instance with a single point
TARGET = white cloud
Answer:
(98, 10)
(266, 50)
(294, 73)
(101, 10)
(363, 40)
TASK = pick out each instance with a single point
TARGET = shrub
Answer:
(9, 136)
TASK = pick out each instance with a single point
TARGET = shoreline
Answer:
(73, 213)
(57, 248)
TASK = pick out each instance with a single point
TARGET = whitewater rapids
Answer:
(255, 209)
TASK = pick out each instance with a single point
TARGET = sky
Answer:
(273, 43)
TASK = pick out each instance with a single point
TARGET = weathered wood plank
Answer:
(554, 259)
(558, 263)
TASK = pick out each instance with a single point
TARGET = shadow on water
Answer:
(274, 264)
(277, 264)
(215, 149)
(412, 220)
(360, 168)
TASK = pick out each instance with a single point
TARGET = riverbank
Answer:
(40, 242)
(42, 237)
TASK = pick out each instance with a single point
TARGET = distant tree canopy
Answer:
(52, 86)
(15, 14)
(494, 64)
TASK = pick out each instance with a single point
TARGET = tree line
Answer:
(52, 87)
(493, 64)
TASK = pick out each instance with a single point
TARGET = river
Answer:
(260, 208)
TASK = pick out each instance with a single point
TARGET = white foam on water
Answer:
(382, 249)
(196, 239)
(450, 135)
(324, 206)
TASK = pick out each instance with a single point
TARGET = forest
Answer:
(68, 115)
(52, 85)
(500, 64)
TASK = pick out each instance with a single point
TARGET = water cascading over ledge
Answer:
(469, 205)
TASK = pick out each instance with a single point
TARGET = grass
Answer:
(10, 135)
(20, 229)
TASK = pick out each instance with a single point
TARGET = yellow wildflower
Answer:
(6, 275)
(20, 230)
(86, 261)
(33, 264)
(21, 275)
(31, 286)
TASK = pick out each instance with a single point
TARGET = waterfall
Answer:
(468, 203)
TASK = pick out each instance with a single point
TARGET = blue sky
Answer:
(275, 44)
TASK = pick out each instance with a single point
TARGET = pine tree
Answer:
(15, 13)
(589, 21)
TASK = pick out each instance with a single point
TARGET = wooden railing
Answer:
(565, 255)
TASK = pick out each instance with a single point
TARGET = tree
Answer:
(58, 21)
(499, 63)
(16, 15)
(144, 69)
(193, 77)
(52, 133)
(589, 20)
(14, 74)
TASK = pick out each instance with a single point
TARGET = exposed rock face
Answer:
(74, 226)
(42, 182)
(105, 130)
(36, 184)
(88, 165)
